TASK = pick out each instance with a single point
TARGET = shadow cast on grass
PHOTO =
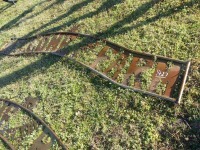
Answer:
(115, 29)
(5, 8)
(182, 133)
(104, 7)
(10, 78)
(16, 21)
(110, 32)
(43, 64)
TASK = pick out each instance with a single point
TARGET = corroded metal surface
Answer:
(154, 75)
(18, 124)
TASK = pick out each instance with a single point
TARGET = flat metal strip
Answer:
(101, 56)
(55, 41)
(121, 64)
(62, 50)
(117, 64)
(159, 73)
(40, 44)
(64, 41)
(171, 79)
(130, 70)
(6, 142)
(46, 44)
(39, 144)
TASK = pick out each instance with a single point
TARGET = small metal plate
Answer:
(142, 72)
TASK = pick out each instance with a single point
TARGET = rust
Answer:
(6, 143)
(19, 133)
(101, 56)
(166, 81)
(39, 144)
(119, 63)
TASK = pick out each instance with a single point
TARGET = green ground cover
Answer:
(86, 111)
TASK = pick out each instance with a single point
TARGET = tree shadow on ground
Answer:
(183, 132)
(115, 29)
(112, 30)
(17, 20)
(105, 6)
(42, 64)
(5, 8)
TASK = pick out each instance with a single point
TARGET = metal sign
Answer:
(16, 133)
(157, 76)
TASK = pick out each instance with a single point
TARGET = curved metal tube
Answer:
(5, 141)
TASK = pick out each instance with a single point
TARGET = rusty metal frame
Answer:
(179, 74)
(46, 129)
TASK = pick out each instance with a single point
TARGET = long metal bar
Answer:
(184, 81)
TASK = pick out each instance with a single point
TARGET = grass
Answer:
(86, 111)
